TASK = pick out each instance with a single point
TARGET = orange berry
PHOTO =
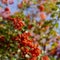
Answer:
(42, 16)
(33, 58)
(45, 58)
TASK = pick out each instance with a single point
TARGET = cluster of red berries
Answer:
(17, 22)
(28, 46)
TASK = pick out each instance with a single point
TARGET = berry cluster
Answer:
(17, 23)
(28, 46)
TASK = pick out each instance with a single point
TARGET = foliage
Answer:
(22, 37)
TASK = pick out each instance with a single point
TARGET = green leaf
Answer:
(13, 58)
(59, 15)
(56, 25)
(53, 15)
(52, 58)
(58, 3)
(53, 32)
(1, 19)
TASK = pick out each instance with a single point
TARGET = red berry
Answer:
(7, 9)
(4, 1)
(20, 5)
(45, 58)
(41, 8)
(43, 16)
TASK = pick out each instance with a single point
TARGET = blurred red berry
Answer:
(45, 58)
(41, 7)
(30, 26)
(33, 58)
(42, 16)
(26, 1)
(20, 5)
(4, 1)
(53, 51)
(7, 9)
(2, 38)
